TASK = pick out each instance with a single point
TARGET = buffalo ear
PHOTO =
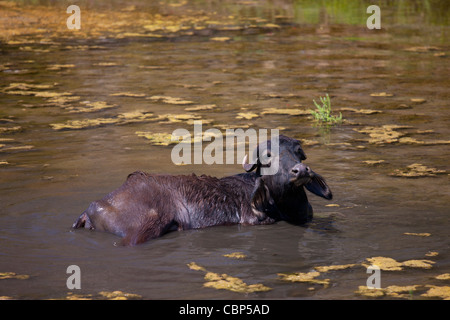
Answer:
(261, 201)
(319, 187)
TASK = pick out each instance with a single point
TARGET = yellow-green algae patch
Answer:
(445, 276)
(13, 275)
(423, 234)
(73, 296)
(83, 124)
(373, 162)
(409, 140)
(432, 254)
(308, 277)
(103, 295)
(235, 255)
(181, 117)
(389, 133)
(361, 111)
(170, 100)
(119, 295)
(390, 291)
(381, 94)
(120, 119)
(201, 107)
(416, 170)
(247, 115)
(384, 134)
(442, 292)
(10, 129)
(335, 267)
(128, 94)
(226, 282)
(28, 86)
(194, 266)
(290, 112)
(389, 264)
(157, 139)
(90, 107)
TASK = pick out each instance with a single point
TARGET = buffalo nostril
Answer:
(295, 171)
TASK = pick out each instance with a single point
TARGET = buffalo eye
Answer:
(266, 154)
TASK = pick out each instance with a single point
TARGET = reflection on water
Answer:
(78, 109)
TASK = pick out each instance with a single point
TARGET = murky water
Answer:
(280, 56)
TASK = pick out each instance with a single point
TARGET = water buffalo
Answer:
(147, 206)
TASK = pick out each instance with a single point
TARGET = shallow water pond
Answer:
(81, 109)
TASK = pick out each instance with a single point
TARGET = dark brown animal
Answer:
(147, 206)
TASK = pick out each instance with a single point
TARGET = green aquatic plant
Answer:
(322, 114)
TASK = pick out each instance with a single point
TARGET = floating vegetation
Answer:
(424, 234)
(445, 276)
(194, 266)
(418, 100)
(72, 296)
(417, 170)
(422, 49)
(220, 39)
(83, 124)
(202, 107)
(61, 101)
(57, 67)
(4, 148)
(28, 86)
(381, 94)
(308, 142)
(103, 295)
(106, 64)
(119, 295)
(384, 134)
(170, 100)
(42, 94)
(10, 129)
(362, 111)
(409, 140)
(388, 134)
(128, 94)
(335, 267)
(391, 291)
(226, 282)
(432, 254)
(442, 292)
(374, 162)
(120, 119)
(290, 112)
(272, 95)
(181, 117)
(13, 275)
(90, 107)
(235, 255)
(247, 115)
(157, 139)
(309, 277)
(389, 264)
